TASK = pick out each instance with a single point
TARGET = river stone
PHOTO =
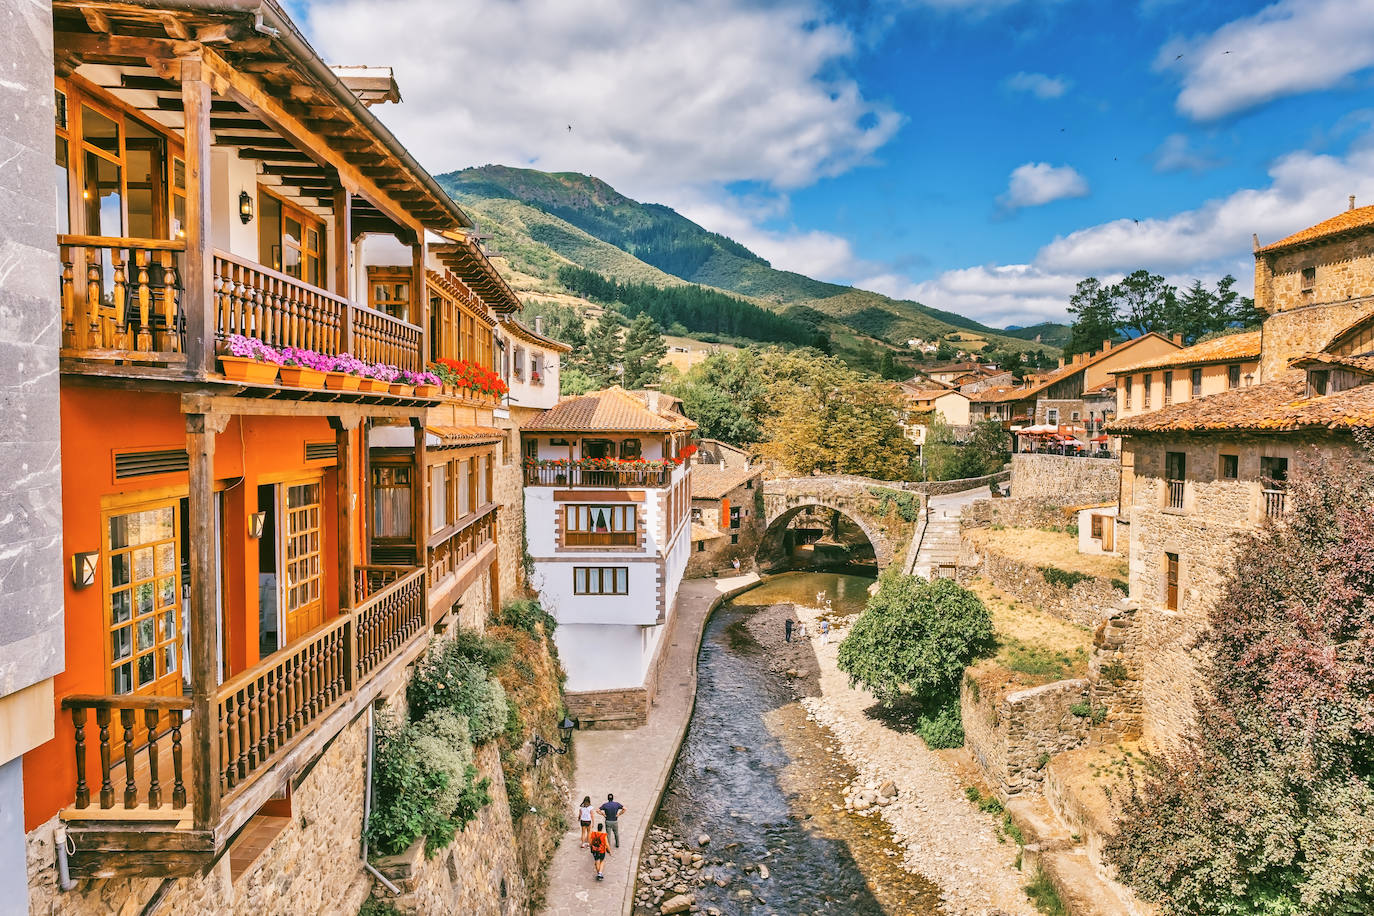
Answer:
(888, 788)
(703, 840)
(763, 872)
(679, 904)
(680, 888)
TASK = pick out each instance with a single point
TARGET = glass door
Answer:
(303, 584)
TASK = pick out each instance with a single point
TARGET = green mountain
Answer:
(542, 222)
(1051, 333)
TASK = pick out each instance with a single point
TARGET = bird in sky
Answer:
(569, 128)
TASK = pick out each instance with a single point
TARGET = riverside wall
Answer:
(1055, 477)
(1012, 734)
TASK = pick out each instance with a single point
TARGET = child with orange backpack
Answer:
(601, 847)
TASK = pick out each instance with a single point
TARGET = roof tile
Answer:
(1230, 348)
(1273, 407)
(1345, 221)
(611, 410)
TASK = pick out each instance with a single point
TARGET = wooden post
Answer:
(419, 295)
(344, 471)
(343, 242)
(419, 494)
(197, 272)
(205, 769)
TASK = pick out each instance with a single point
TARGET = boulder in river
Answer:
(888, 788)
(703, 840)
(679, 904)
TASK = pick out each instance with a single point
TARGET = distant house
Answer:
(727, 516)
(1217, 365)
(714, 451)
(947, 374)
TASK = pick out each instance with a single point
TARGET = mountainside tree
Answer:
(1143, 302)
(642, 352)
(1094, 317)
(600, 359)
(1268, 807)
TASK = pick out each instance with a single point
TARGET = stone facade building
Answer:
(727, 517)
(1202, 471)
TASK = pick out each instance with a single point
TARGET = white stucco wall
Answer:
(605, 657)
(1086, 542)
(228, 176)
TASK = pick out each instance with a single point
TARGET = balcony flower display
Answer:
(247, 359)
(468, 377)
(426, 384)
(345, 372)
(301, 368)
(600, 471)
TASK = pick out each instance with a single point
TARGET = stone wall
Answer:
(1056, 477)
(1087, 603)
(1114, 678)
(1014, 512)
(717, 558)
(508, 490)
(1012, 734)
(943, 487)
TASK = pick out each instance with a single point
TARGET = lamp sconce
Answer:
(257, 523)
(566, 728)
(245, 207)
(84, 566)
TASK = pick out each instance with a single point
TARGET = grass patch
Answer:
(1040, 664)
(1067, 578)
(1050, 547)
(1041, 892)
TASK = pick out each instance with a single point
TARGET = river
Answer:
(763, 781)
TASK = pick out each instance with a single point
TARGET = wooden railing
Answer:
(140, 727)
(1275, 502)
(566, 476)
(262, 709)
(277, 309)
(121, 298)
(602, 538)
(455, 550)
(1175, 494)
(380, 338)
(368, 580)
(389, 620)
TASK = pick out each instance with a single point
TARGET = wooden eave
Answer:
(272, 102)
(469, 263)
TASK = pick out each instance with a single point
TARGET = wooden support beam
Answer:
(343, 248)
(174, 27)
(205, 769)
(97, 20)
(419, 296)
(419, 494)
(264, 141)
(197, 274)
(344, 470)
(119, 47)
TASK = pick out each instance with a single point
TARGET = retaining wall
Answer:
(1055, 477)
(1013, 734)
(1088, 603)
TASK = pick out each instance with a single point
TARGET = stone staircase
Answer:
(939, 552)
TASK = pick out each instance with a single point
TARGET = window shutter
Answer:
(725, 513)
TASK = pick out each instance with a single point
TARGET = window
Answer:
(1230, 467)
(1052, 416)
(734, 539)
(734, 516)
(1309, 279)
(631, 448)
(391, 294)
(601, 580)
(144, 600)
(598, 448)
(601, 526)
(391, 502)
(696, 514)
(1232, 377)
(1168, 388)
(1075, 416)
(531, 448)
(1145, 384)
(440, 509)
(463, 503)
(291, 240)
(520, 363)
(1196, 383)
(1317, 382)
(1274, 472)
(1171, 581)
(1096, 527)
(1127, 400)
(1175, 464)
(701, 546)
(749, 484)
(304, 568)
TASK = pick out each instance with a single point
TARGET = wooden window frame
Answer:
(1172, 581)
(576, 534)
(618, 576)
(1195, 383)
(320, 576)
(308, 220)
(1227, 462)
(109, 589)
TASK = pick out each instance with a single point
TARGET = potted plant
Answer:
(426, 384)
(249, 360)
(345, 373)
(374, 379)
(303, 368)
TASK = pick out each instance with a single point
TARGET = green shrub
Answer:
(972, 794)
(448, 678)
(941, 727)
(1115, 672)
(374, 906)
(1122, 586)
(1010, 829)
(1067, 578)
(528, 615)
(1043, 894)
(488, 652)
(405, 789)
(908, 504)
(1082, 710)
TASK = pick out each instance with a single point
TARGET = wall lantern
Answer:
(83, 568)
(245, 207)
(565, 729)
(257, 523)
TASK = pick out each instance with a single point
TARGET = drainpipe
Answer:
(367, 807)
(64, 878)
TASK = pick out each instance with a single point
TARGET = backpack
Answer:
(599, 843)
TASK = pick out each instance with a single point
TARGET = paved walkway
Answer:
(634, 764)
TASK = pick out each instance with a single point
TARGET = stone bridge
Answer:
(877, 507)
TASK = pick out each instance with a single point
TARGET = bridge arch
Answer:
(773, 542)
(867, 503)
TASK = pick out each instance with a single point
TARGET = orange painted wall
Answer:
(252, 450)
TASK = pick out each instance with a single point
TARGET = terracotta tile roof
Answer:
(1345, 221)
(1360, 362)
(1041, 382)
(1228, 349)
(456, 436)
(1273, 407)
(612, 410)
(1003, 393)
(711, 481)
(517, 329)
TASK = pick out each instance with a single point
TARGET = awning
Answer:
(1100, 439)
(460, 436)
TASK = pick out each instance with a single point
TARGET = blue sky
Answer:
(977, 155)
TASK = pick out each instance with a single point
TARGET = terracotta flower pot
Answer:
(301, 377)
(375, 385)
(401, 389)
(341, 381)
(242, 369)
(426, 391)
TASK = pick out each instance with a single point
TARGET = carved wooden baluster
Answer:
(231, 757)
(250, 727)
(83, 791)
(224, 298)
(150, 719)
(102, 718)
(143, 291)
(126, 718)
(119, 320)
(170, 305)
(264, 723)
(241, 732)
(68, 289)
(297, 693)
(93, 299)
(178, 787)
(283, 704)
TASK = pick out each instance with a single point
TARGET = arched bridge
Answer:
(885, 511)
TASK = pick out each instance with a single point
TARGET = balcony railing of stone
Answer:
(121, 298)
(453, 551)
(1275, 502)
(574, 475)
(140, 733)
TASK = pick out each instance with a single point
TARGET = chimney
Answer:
(1061, 362)
(1178, 339)
(1352, 201)
(722, 464)
(651, 397)
(1106, 345)
(539, 324)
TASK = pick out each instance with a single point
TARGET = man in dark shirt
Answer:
(612, 809)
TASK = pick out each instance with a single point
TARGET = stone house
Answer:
(1199, 472)
(727, 517)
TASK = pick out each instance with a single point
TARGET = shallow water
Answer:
(762, 781)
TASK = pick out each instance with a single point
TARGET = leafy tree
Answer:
(984, 452)
(1094, 321)
(911, 645)
(642, 352)
(1145, 303)
(572, 380)
(944, 352)
(1268, 807)
(887, 367)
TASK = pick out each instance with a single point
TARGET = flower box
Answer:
(245, 369)
(341, 381)
(301, 377)
(426, 391)
(402, 389)
(375, 385)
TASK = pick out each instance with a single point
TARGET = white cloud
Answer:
(999, 294)
(1176, 154)
(1038, 183)
(1286, 48)
(1038, 84)
(658, 95)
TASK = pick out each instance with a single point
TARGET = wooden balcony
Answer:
(268, 721)
(457, 556)
(573, 475)
(123, 301)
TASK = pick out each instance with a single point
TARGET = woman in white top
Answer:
(584, 817)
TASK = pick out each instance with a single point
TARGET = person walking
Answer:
(584, 817)
(600, 849)
(825, 632)
(612, 810)
(787, 629)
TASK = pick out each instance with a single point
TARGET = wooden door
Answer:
(1171, 581)
(303, 583)
(1108, 532)
(143, 599)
